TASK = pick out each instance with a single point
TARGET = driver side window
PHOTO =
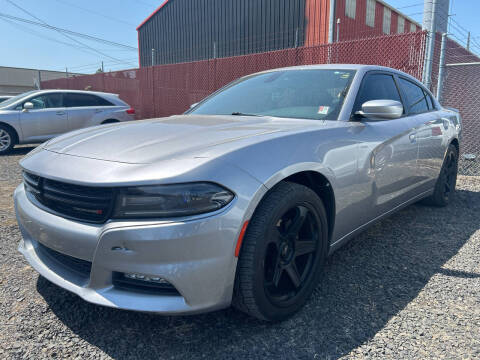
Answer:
(47, 101)
(376, 87)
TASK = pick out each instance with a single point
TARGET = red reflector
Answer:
(436, 131)
(240, 238)
(99, 212)
(131, 111)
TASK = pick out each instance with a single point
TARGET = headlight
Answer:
(170, 200)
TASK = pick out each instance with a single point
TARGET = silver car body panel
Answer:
(39, 125)
(373, 167)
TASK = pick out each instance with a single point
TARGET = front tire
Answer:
(445, 185)
(283, 253)
(7, 140)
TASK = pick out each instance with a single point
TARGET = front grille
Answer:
(84, 203)
(79, 266)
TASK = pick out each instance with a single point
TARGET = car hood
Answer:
(148, 141)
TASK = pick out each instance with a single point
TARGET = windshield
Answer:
(302, 94)
(16, 98)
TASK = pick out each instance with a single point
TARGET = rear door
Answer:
(47, 119)
(84, 109)
(392, 145)
(430, 132)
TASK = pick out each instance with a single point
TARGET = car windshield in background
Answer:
(301, 94)
(15, 98)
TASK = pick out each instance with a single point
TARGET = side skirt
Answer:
(342, 241)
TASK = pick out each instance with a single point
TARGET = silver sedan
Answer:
(39, 115)
(240, 200)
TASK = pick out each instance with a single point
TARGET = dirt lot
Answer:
(408, 288)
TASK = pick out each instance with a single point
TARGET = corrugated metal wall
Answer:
(191, 30)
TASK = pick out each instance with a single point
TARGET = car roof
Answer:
(357, 67)
(74, 91)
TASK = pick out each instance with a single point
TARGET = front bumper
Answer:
(195, 255)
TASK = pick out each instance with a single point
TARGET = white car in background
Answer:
(5, 97)
(39, 115)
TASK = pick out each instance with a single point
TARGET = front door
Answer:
(47, 119)
(391, 146)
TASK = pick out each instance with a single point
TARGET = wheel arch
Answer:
(321, 182)
(15, 132)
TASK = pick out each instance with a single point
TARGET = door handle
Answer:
(98, 111)
(60, 112)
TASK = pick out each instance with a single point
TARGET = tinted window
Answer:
(81, 100)
(377, 87)
(416, 97)
(46, 101)
(302, 94)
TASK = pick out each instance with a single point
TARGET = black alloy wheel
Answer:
(283, 252)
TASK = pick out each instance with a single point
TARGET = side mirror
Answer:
(193, 105)
(27, 106)
(381, 109)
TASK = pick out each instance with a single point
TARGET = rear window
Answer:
(82, 100)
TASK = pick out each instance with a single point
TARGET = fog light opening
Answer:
(146, 278)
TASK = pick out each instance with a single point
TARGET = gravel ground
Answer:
(407, 288)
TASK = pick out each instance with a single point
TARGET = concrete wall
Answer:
(18, 80)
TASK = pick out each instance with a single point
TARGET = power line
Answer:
(65, 35)
(74, 33)
(95, 12)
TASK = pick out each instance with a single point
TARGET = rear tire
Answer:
(283, 253)
(8, 139)
(110, 121)
(445, 185)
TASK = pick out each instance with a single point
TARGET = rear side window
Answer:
(416, 97)
(47, 101)
(376, 87)
(82, 100)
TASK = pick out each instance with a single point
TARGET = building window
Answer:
(413, 27)
(351, 8)
(371, 5)
(387, 18)
(401, 25)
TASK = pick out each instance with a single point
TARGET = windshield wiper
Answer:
(243, 114)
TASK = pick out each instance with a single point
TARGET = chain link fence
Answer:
(164, 90)
(460, 89)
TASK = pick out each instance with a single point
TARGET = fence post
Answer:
(331, 23)
(427, 78)
(441, 67)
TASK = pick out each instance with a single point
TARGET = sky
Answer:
(30, 46)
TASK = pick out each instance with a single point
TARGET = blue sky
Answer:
(25, 45)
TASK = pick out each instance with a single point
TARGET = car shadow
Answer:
(367, 282)
(21, 150)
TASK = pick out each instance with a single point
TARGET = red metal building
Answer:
(192, 30)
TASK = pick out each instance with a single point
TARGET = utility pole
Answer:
(338, 29)
(441, 67)
(214, 49)
(468, 41)
(153, 57)
(66, 72)
(103, 70)
(427, 78)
